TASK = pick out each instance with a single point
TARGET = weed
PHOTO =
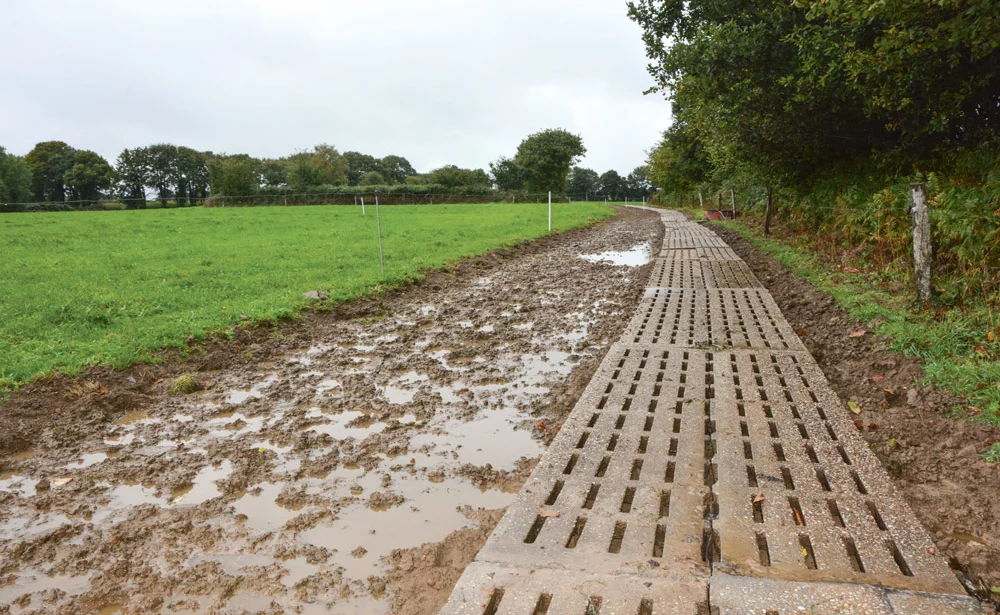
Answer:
(182, 385)
(992, 454)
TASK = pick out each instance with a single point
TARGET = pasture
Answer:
(93, 288)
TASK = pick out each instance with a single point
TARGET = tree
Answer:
(612, 185)
(451, 176)
(162, 160)
(190, 175)
(679, 163)
(132, 167)
(324, 166)
(546, 158)
(89, 175)
(506, 174)
(15, 178)
(358, 165)
(928, 71)
(372, 178)
(637, 184)
(396, 169)
(274, 172)
(729, 67)
(582, 182)
(49, 162)
(234, 175)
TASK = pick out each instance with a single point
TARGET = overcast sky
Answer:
(437, 81)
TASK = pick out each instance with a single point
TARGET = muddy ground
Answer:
(933, 456)
(352, 461)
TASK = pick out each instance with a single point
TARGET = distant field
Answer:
(88, 288)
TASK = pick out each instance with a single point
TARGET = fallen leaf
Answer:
(59, 482)
(872, 426)
(545, 513)
(859, 424)
(758, 499)
(855, 408)
(858, 333)
(990, 337)
(804, 552)
(889, 391)
(798, 517)
(980, 350)
(931, 551)
(878, 378)
(104, 391)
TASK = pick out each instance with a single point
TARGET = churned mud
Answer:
(347, 462)
(933, 456)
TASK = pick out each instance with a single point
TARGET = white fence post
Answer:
(378, 221)
(550, 211)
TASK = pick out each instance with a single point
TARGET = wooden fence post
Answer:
(767, 213)
(923, 259)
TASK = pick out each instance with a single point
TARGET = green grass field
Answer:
(89, 288)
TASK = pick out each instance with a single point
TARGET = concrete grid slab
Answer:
(711, 318)
(708, 467)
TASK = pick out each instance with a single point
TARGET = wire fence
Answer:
(312, 198)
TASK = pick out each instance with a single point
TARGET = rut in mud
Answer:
(351, 462)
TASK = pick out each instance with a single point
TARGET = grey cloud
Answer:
(439, 81)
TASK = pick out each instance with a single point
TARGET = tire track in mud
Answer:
(352, 461)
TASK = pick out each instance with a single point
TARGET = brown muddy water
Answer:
(287, 482)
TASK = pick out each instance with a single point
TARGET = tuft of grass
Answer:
(183, 385)
(992, 455)
(959, 347)
(89, 288)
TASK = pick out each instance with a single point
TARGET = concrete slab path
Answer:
(708, 469)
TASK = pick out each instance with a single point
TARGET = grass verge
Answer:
(91, 288)
(958, 345)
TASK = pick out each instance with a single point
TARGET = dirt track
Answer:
(349, 462)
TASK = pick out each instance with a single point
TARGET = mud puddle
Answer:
(312, 463)
(636, 256)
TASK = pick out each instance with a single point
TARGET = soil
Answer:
(933, 456)
(353, 460)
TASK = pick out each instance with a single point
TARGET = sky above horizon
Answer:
(439, 82)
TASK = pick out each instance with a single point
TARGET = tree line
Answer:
(55, 172)
(784, 93)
